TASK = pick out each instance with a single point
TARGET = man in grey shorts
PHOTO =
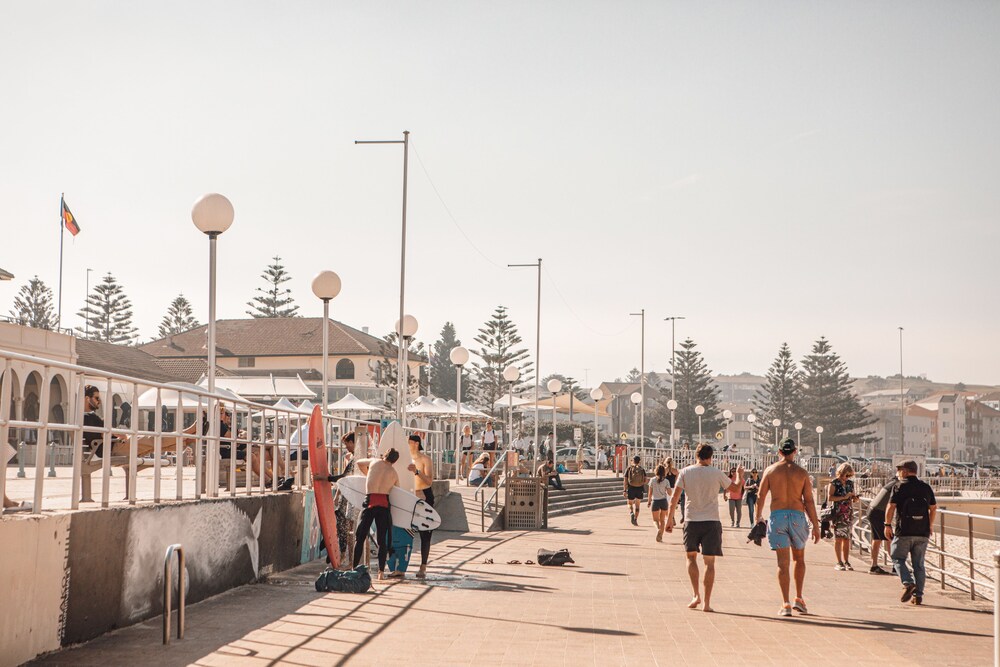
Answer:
(701, 484)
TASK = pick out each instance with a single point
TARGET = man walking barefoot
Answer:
(701, 484)
(790, 489)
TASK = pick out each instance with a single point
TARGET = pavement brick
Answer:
(622, 603)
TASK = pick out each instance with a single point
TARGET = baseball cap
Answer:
(787, 446)
(908, 466)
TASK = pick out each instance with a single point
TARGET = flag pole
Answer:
(62, 232)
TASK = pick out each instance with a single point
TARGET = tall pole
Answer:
(458, 422)
(404, 378)
(510, 415)
(62, 232)
(555, 438)
(699, 429)
(402, 258)
(902, 408)
(673, 371)
(597, 444)
(87, 296)
(642, 377)
(538, 351)
(213, 417)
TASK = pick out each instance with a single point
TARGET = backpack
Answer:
(636, 476)
(561, 557)
(357, 580)
(914, 517)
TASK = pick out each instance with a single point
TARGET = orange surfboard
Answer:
(322, 489)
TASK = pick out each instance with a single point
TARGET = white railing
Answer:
(257, 427)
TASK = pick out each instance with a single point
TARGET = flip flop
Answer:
(513, 562)
(529, 562)
(488, 561)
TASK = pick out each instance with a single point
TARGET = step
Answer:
(562, 501)
(584, 508)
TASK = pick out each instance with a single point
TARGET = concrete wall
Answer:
(78, 575)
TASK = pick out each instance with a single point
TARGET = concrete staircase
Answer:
(585, 493)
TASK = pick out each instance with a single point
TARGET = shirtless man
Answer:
(380, 477)
(423, 474)
(790, 489)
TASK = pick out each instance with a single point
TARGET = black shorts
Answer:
(660, 504)
(635, 492)
(703, 536)
(225, 452)
(877, 521)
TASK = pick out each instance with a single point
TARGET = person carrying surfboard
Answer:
(423, 473)
(380, 477)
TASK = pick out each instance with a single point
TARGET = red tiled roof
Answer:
(263, 337)
(121, 359)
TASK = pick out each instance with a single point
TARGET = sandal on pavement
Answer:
(488, 561)
(513, 562)
(529, 562)
(800, 606)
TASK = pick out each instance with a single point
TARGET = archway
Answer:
(30, 407)
(345, 369)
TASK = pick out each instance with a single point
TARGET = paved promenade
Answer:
(623, 603)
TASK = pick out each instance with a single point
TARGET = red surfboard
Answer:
(322, 489)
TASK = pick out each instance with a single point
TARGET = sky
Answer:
(771, 172)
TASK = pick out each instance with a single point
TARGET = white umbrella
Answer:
(168, 397)
(284, 404)
(425, 406)
(351, 403)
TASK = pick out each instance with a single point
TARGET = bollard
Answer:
(20, 460)
(52, 459)
(168, 589)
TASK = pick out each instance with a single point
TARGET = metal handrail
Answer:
(168, 591)
(481, 490)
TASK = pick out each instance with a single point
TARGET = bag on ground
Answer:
(357, 580)
(561, 557)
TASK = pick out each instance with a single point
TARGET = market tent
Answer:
(307, 406)
(505, 401)
(284, 404)
(168, 397)
(562, 406)
(265, 387)
(351, 403)
(424, 405)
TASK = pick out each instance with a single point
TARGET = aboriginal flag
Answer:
(68, 219)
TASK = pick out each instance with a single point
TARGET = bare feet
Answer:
(695, 601)
(707, 608)
(422, 572)
(381, 576)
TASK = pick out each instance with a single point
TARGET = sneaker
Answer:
(800, 606)
(917, 600)
(848, 566)
(907, 592)
(785, 611)
(877, 570)
(840, 566)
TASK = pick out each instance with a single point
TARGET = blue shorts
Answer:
(787, 528)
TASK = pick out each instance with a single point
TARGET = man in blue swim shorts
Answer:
(792, 510)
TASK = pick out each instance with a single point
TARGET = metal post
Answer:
(326, 379)
(941, 545)
(20, 460)
(996, 610)
(458, 423)
(168, 590)
(43, 432)
(52, 459)
(555, 436)
(699, 429)
(403, 376)
(642, 375)
(538, 349)
(597, 444)
(972, 567)
(510, 415)
(902, 410)
(212, 445)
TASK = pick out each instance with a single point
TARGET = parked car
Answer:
(570, 453)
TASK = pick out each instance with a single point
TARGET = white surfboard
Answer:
(393, 436)
(407, 510)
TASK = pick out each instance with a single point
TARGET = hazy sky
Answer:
(771, 171)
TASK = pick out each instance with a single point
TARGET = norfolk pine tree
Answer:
(779, 397)
(695, 387)
(499, 342)
(273, 301)
(179, 318)
(828, 400)
(443, 374)
(33, 306)
(109, 313)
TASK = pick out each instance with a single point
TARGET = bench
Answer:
(92, 464)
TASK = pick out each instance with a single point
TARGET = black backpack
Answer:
(914, 517)
(561, 557)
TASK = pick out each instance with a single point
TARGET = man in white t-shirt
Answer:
(701, 484)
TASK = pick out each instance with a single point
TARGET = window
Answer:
(742, 434)
(246, 362)
(945, 411)
(345, 369)
(944, 424)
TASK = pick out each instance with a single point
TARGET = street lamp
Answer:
(554, 386)
(326, 286)
(460, 357)
(699, 410)
(636, 399)
(798, 433)
(597, 395)
(511, 374)
(819, 434)
(671, 405)
(212, 214)
(728, 416)
(538, 352)
(642, 375)
(775, 423)
(406, 329)
(751, 419)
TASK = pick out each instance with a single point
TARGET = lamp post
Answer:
(775, 423)
(212, 214)
(511, 374)
(798, 434)
(673, 373)
(728, 416)
(751, 419)
(642, 376)
(538, 350)
(554, 386)
(671, 405)
(86, 321)
(902, 407)
(460, 357)
(636, 399)
(400, 409)
(597, 395)
(326, 286)
(819, 434)
(699, 410)
(406, 329)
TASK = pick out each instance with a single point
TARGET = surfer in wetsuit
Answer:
(423, 474)
(380, 477)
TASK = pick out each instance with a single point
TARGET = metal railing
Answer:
(263, 430)
(650, 458)
(168, 591)
(480, 494)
